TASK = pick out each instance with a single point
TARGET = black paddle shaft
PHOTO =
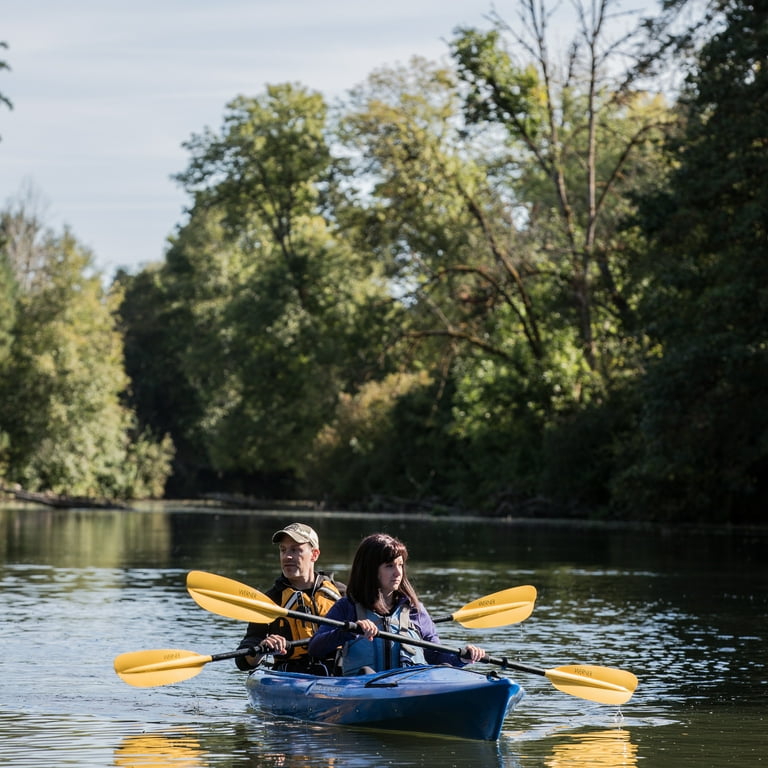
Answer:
(351, 626)
(253, 650)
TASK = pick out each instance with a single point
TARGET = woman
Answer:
(380, 597)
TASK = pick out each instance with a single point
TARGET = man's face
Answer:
(297, 560)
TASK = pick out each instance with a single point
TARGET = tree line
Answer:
(527, 281)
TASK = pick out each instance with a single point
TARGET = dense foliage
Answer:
(701, 443)
(63, 426)
(518, 284)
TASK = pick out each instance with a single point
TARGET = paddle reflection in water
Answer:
(165, 749)
(285, 743)
(594, 749)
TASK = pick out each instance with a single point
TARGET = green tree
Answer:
(573, 142)
(459, 270)
(430, 215)
(7, 304)
(269, 312)
(65, 427)
(511, 287)
(701, 446)
(156, 329)
(389, 445)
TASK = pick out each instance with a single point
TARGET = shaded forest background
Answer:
(528, 282)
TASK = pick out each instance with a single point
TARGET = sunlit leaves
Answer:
(66, 427)
(273, 307)
(498, 91)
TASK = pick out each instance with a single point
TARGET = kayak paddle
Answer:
(226, 597)
(509, 606)
(145, 669)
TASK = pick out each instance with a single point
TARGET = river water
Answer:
(685, 610)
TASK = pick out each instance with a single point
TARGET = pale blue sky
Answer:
(106, 91)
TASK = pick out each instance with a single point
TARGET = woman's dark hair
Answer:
(374, 550)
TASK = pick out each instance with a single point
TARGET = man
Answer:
(300, 588)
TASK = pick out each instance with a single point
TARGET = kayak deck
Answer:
(444, 700)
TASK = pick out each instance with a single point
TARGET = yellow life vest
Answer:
(317, 601)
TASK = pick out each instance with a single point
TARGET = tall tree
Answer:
(702, 442)
(461, 269)
(65, 427)
(506, 232)
(270, 302)
(156, 326)
(447, 240)
(7, 301)
(573, 139)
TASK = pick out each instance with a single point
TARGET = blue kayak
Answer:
(444, 700)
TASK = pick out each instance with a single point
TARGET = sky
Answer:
(105, 92)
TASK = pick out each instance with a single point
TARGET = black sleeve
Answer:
(255, 633)
(253, 636)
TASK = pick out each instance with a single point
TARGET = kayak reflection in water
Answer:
(380, 598)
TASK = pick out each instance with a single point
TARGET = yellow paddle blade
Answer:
(230, 598)
(509, 606)
(145, 669)
(605, 685)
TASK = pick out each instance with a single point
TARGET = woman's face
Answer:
(390, 575)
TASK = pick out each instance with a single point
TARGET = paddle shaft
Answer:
(139, 661)
(254, 650)
(235, 654)
(351, 626)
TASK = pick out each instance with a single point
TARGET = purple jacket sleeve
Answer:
(423, 622)
(327, 639)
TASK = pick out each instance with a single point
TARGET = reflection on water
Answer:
(296, 745)
(293, 744)
(71, 537)
(594, 749)
(178, 749)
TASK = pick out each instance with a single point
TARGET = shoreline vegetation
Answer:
(378, 503)
(389, 509)
(219, 503)
(60, 501)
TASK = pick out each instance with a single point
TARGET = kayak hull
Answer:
(443, 700)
